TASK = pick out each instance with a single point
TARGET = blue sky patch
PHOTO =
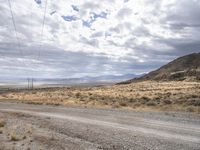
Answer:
(93, 18)
(38, 2)
(86, 23)
(101, 15)
(69, 18)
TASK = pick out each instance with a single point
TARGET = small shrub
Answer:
(151, 103)
(197, 102)
(168, 93)
(137, 105)
(144, 100)
(3, 95)
(62, 94)
(56, 104)
(2, 122)
(34, 92)
(13, 137)
(91, 98)
(105, 103)
(167, 102)
(190, 109)
(194, 96)
(78, 94)
(132, 100)
(102, 98)
(157, 98)
(194, 102)
(116, 105)
(24, 137)
(82, 99)
(123, 104)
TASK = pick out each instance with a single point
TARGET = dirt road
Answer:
(57, 127)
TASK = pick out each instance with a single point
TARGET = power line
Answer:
(42, 33)
(17, 38)
(31, 24)
(14, 24)
(43, 23)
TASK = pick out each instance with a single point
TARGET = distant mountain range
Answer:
(186, 68)
(74, 81)
(88, 79)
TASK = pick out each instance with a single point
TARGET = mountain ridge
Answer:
(185, 68)
(75, 80)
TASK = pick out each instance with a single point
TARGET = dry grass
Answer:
(2, 121)
(14, 137)
(20, 132)
(178, 96)
(1, 131)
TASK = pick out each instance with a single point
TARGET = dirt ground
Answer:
(41, 127)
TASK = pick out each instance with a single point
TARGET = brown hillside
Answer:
(183, 68)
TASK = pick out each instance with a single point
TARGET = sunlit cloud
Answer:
(82, 37)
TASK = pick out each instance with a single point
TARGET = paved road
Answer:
(89, 128)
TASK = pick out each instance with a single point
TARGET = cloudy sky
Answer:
(95, 37)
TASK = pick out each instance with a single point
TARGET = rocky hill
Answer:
(186, 68)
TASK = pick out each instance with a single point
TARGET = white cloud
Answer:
(117, 30)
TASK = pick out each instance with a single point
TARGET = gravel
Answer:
(58, 127)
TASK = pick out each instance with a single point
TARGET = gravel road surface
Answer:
(58, 127)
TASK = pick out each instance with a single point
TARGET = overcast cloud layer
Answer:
(87, 37)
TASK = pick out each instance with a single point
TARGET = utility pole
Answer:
(28, 82)
(32, 84)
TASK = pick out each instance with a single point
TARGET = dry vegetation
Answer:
(15, 133)
(2, 123)
(175, 96)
